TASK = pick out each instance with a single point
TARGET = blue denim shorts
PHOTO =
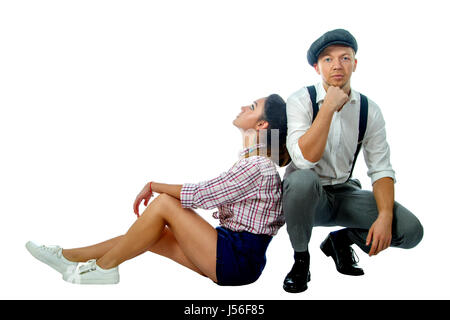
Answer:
(241, 256)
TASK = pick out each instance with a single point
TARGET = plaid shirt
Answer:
(248, 196)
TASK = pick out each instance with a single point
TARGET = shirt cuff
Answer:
(187, 195)
(383, 174)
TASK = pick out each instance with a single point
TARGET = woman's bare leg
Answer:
(90, 252)
(195, 237)
(167, 246)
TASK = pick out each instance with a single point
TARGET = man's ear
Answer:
(354, 66)
(316, 67)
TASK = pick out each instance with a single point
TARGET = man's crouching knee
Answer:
(301, 181)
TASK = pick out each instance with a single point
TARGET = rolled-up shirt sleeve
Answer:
(299, 118)
(376, 148)
(241, 182)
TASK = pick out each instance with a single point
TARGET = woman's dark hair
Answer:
(275, 115)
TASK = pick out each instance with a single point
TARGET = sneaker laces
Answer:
(85, 267)
(56, 250)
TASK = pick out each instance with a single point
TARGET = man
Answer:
(323, 136)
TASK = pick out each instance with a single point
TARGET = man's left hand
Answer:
(380, 235)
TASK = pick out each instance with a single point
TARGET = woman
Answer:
(248, 198)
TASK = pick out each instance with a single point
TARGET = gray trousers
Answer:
(307, 204)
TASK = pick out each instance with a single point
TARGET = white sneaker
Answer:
(50, 255)
(90, 273)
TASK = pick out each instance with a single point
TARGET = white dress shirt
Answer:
(335, 165)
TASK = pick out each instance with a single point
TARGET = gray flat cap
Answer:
(337, 36)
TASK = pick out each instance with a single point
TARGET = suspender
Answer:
(364, 108)
(313, 96)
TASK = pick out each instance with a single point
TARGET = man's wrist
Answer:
(328, 108)
(386, 214)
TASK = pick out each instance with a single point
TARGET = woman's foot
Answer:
(51, 256)
(90, 273)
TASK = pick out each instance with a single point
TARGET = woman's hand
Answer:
(145, 195)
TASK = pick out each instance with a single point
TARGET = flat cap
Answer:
(337, 36)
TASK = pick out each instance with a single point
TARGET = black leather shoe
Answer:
(343, 256)
(297, 279)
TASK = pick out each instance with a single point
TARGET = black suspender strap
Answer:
(364, 109)
(313, 96)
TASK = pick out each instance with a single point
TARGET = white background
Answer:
(99, 97)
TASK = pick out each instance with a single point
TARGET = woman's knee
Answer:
(159, 205)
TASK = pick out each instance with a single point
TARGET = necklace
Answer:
(246, 152)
